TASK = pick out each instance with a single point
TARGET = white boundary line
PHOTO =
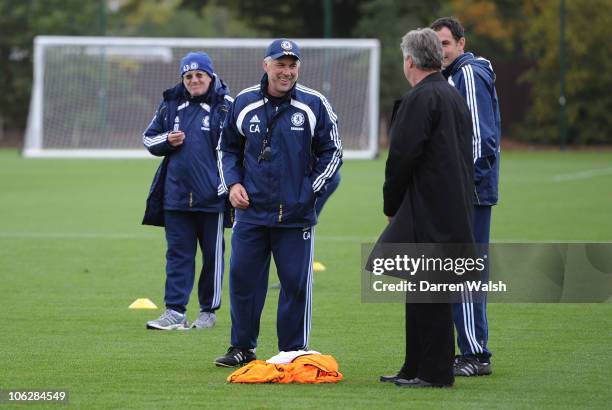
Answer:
(590, 173)
(329, 238)
(35, 152)
(545, 241)
(75, 235)
(96, 235)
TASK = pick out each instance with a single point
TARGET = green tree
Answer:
(490, 26)
(588, 72)
(389, 20)
(20, 22)
(298, 18)
(176, 18)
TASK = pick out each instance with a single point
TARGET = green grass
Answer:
(73, 256)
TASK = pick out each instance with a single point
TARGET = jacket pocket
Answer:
(297, 201)
(306, 202)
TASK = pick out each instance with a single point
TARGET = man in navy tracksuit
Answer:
(474, 78)
(278, 152)
(184, 195)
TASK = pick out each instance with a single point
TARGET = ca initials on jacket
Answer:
(254, 124)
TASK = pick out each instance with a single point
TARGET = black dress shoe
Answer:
(416, 382)
(390, 379)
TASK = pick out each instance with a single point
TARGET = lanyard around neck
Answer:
(266, 150)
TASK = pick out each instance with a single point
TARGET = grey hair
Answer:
(424, 47)
(268, 60)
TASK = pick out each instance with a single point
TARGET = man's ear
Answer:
(461, 44)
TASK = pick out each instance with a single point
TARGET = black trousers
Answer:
(430, 344)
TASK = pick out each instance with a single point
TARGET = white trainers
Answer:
(205, 320)
(169, 320)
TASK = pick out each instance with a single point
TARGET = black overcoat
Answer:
(429, 172)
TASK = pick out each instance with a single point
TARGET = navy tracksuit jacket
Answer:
(184, 195)
(304, 152)
(474, 78)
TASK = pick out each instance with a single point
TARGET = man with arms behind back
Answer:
(474, 78)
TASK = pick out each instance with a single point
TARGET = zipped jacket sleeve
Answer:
(475, 80)
(155, 137)
(230, 151)
(476, 88)
(327, 147)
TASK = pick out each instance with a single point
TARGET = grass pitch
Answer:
(73, 256)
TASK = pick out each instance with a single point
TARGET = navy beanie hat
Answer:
(196, 60)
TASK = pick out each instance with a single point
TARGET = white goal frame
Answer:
(33, 145)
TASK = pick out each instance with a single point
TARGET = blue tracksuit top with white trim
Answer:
(475, 80)
(304, 153)
(192, 177)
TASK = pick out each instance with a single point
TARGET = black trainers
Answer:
(471, 366)
(235, 356)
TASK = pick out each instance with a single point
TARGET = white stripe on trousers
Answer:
(467, 307)
(218, 277)
(308, 306)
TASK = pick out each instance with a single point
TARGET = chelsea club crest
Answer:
(297, 119)
(206, 123)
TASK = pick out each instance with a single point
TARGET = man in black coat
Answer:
(428, 196)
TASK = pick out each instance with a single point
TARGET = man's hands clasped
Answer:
(238, 196)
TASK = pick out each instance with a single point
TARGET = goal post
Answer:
(92, 97)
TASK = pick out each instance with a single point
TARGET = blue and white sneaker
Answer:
(169, 320)
(205, 320)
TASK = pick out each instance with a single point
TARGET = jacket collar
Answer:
(434, 76)
(456, 65)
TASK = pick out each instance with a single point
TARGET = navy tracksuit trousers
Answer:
(183, 232)
(252, 248)
(471, 318)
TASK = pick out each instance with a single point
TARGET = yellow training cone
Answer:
(143, 303)
(318, 267)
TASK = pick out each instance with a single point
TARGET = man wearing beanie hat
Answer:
(279, 150)
(183, 198)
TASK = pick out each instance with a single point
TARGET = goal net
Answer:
(94, 96)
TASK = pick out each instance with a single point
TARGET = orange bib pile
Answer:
(311, 368)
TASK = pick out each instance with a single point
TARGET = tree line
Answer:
(520, 37)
